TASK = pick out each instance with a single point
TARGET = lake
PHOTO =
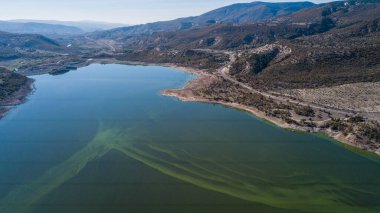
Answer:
(103, 139)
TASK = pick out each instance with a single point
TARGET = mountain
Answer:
(250, 12)
(39, 28)
(327, 44)
(86, 26)
(237, 13)
(338, 17)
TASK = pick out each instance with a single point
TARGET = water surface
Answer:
(102, 139)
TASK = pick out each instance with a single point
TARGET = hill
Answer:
(13, 46)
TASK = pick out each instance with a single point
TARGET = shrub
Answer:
(305, 111)
(371, 131)
(356, 119)
(337, 125)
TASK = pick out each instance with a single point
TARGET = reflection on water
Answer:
(209, 147)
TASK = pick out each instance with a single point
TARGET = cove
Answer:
(103, 139)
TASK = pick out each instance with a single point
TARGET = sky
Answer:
(116, 11)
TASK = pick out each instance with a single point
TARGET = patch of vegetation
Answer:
(356, 119)
(288, 120)
(252, 64)
(308, 123)
(306, 111)
(371, 131)
(282, 113)
(210, 41)
(248, 39)
(258, 62)
(327, 12)
(337, 124)
(10, 83)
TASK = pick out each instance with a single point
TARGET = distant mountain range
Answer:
(237, 13)
(86, 26)
(39, 28)
(249, 12)
(54, 28)
(243, 13)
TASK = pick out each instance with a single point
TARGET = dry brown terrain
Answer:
(358, 97)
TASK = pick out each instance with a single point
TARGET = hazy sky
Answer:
(120, 11)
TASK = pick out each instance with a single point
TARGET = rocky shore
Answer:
(16, 98)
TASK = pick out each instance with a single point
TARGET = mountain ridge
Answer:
(39, 28)
(252, 12)
(85, 26)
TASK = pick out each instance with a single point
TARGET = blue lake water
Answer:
(103, 139)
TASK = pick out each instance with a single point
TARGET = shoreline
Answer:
(200, 74)
(17, 98)
(261, 115)
(335, 135)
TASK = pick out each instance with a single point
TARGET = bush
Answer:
(371, 131)
(356, 119)
(305, 111)
(337, 125)
(259, 62)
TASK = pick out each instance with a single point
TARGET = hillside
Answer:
(341, 45)
(14, 46)
(237, 13)
(12, 40)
